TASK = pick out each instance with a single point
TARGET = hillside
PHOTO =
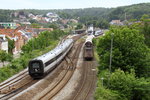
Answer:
(132, 12)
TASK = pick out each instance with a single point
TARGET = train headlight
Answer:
(36, 69)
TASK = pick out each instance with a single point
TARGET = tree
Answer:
(3, 56)
(102, 24)
(11, 45)
(32, 21)
(141, 90)
(128, 86)
(145, 28)
(35, 25)
(123, 83)
(79, 26)
(54, 26)
(43, 40)
(64, 15)
(129, 50)
(145, 17)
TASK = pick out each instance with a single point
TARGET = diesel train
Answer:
(43, 64)
(88, 48)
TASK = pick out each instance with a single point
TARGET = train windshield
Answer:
(88, 44)
(36, 65)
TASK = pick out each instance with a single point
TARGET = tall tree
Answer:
(145, 28)
(54, 26)
(11, 45)
(3, 56)
(129, 50)
(79, 26)
(35, 25)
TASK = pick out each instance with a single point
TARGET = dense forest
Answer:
(5, 15)
(89, 14)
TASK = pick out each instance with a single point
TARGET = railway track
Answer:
(22, 81)
(15, 84)
(9, 85)
(58, 86)
(64, 80)
(50, 86)
(13, 93)
(87, 82)
(18, 76)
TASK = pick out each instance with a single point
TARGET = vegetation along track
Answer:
(71, 63)
(10, 84)
(15, 77)
(88, 82)
(15, 85)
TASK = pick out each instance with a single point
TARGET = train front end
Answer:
(36, 69)
(88, 48)
(88, 51)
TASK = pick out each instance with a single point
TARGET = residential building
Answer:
(38, 30)
(10, 25)
(21, 35)
(52, 15)
(64, 21)
(74, 21)
(15, 35)
(116, 22)
(31, 15)
(3, 43)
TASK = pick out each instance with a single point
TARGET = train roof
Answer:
(55, 51)
(89, 38)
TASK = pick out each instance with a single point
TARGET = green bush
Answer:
(123, 83)
(102, 93)
(122, 86)
(141, 89)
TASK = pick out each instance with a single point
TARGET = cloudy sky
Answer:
(63, 4)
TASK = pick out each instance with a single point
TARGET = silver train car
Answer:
(41, 65)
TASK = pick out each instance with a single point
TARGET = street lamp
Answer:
(102, 81)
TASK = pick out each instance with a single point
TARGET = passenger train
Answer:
(41, 65)
(88, 48)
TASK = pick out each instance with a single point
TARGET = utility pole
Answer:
(112, 36)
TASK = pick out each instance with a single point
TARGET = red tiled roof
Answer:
(10, 32)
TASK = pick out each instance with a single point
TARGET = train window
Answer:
(49, 62)
(59, 55)
(35, 65)
(88, 44)
(52, 60)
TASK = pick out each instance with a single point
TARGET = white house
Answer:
(3, 43)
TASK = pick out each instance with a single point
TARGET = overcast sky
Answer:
(63, 4)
